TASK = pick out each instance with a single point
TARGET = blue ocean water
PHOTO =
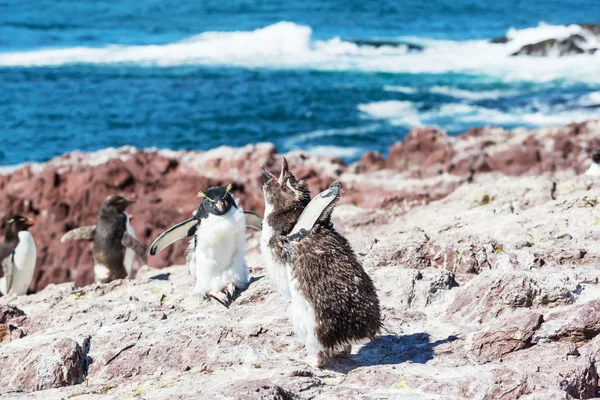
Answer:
(195, 75)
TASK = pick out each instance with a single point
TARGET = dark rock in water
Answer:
(593, 28)
(574, 44)
(384, 43)
(501, 39)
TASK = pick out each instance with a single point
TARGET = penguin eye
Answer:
(285, 189)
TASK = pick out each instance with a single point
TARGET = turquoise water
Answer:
(93, 74)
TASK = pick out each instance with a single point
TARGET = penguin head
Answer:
(596, 157)
(217, 200)
(117, 203)
(16, 224)
(285, 192)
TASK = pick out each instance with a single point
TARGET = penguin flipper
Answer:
(173, 234)
(131, 243)
(318, 210)
(83, 233)
(8, 266)
(253, 220)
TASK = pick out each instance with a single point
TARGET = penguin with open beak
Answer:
(111, 240)
(215, 256)
(17, 256)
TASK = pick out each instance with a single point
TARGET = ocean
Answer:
(196, 75)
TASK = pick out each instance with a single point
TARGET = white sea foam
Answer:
(288, 45)
(460, 114)
(300, 139)
(335, 151)
(399, 89)
(398, 112)
(472, 95)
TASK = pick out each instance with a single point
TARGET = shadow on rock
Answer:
(161, 277)
(390, 350)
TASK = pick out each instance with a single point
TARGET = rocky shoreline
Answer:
(484, 249)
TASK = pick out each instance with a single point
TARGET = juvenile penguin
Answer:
(110, 238)
(215, 256)
(594, 169)
(281, 215)
(17, 256)
(333, 300)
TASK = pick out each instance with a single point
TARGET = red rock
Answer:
(504, 336)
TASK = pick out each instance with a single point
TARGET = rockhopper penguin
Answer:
(333, 300)
(111, 240)
(17, 256)
(215, 256)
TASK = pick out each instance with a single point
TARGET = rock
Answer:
(427, 166)
(423, 149)
(491, 295)
(504, 336)
(578, 324)
(61, 362)
(574, 44)
(12, 320)
(377, 43)
(462, 282)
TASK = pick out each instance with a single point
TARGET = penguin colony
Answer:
(332, 300)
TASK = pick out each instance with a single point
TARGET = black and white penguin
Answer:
(333, 300)
(111, 240)
(17, 256)
(594, 169)
(215, 256)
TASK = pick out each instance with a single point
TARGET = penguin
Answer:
(17, 256)
(278, 222)
(594, 169)
(333, 301)
(110, 240)
(215, 256)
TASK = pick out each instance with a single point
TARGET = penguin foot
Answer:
(346, 350)
(321, 359)
(230, 288)
(218, 296)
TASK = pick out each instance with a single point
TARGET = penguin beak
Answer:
(284, 170)
(31, 221)
(219, 205)
(131, 198)
(267, 176)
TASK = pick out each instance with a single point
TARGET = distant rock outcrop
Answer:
(587, 41)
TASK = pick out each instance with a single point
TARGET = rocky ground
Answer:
(484, 249)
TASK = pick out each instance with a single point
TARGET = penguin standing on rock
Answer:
(111, 240)
(215, 256)
(333, 300)
(17, 256)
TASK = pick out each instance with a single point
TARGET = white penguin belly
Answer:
(593, 170)
(129, 254)
(277, 271)
(25, 258)
(219, 252)
(303, 319)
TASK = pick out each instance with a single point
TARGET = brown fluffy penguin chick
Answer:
(333, 300)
